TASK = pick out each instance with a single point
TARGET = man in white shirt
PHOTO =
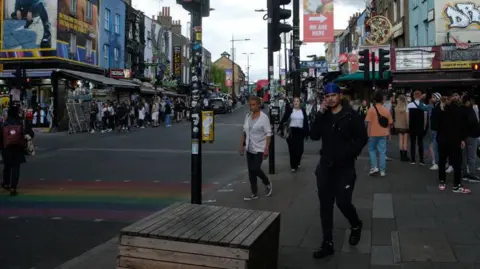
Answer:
(256, 135)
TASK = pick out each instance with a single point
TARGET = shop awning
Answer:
(95, 78)
(359, 76)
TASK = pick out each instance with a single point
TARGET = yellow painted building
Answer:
(226, 63)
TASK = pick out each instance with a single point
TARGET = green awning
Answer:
(359, 76)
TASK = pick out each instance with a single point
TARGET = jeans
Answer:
(378, 143)
(168, 120)
(254, 164)
(470, 156)
(435, 146)
(416, 139)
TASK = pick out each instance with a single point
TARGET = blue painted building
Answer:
(421, 22)
(112, 34)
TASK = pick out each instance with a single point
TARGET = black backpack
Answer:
(382, 120)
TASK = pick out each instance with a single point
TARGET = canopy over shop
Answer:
(438, 79)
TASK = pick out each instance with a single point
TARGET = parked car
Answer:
(219, 105)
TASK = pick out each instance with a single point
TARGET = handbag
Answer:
(382, 120)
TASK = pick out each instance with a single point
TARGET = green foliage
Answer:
(217, 75)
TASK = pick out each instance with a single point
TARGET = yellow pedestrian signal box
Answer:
(208, 126)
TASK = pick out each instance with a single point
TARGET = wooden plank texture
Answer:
(166, 218)
(224, 228)
(250, 228)
(143, 242)
(271, 220)
(165, 230)
(192, 225)
(181, 257)
(248, 221)
(149, 220)
(187, 236)
(198, 234)
(134, 263)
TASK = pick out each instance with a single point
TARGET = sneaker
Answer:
(467, 177)
(388, 159)
(251, 197)
(293, 170)
(434, 167)
(268, 189)
(442, 186)
(325, 250)
(13, 192)
(474, 179)
(449, 169)
(461, 189)
(373, 171)
(383, 173)
(355, 235)
(92, 131)
(422, 163)
(5, 186)
(413, 162)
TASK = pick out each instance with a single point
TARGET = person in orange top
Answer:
(379, 121)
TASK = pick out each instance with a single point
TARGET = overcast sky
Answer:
(237, 17)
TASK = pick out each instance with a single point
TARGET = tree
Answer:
(217, 75)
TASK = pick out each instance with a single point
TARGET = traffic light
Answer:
(364, 63)
(383, 61)
(476, 70)
(275, 26)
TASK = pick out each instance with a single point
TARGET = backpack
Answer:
(382, 120)
(13, 135)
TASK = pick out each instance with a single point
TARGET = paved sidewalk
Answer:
(408, 223)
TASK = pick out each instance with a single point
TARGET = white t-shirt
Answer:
(296, 118)
(141, 113)
(256, 135)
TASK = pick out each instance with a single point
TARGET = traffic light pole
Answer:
(373, 70)
(296, 48)
(196, 89)
(271, 151)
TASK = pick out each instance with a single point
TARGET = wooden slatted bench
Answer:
(188, 236)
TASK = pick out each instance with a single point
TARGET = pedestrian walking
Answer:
(13, 141)
(417, 127)
(379, 121)
(451, 129)
(296, 122)
(255, 140)
(93, 116)
(343, 135)
(473, 132)
(401, 126)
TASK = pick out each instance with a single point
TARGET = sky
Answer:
(238, 18)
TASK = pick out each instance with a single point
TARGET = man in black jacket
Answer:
(473, 132)
(343, 136)
(449, 121)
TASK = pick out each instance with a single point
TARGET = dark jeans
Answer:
(254, 163)
(11, 175)
(93, 119)
(416, 139)
(336, 185)
(454, 154)
(295, 142)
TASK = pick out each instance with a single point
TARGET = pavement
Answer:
(408, 222)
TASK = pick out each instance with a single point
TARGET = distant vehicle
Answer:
(219, 105)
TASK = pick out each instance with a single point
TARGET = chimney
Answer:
(165, 18)
(177, 27)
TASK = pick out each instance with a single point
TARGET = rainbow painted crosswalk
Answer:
(92, 200)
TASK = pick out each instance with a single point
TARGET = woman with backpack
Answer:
(12, 143)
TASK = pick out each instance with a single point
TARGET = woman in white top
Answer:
(141, 116)
(295, 120)
(155, 113)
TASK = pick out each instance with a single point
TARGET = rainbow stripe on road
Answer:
(91, 200)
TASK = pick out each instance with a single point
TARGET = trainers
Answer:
(268, 189)
(383, 173)
(474, 179)
(467, 177)
(461, 189)
(434, 167)
(442, 186)
(251, 197)
(413, 162)
(373, 171)
(422, 163)
(293, 170)
(355, 235)
(449, 169)
(325, 250)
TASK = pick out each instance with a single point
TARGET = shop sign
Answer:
(453, 54)
(457, 64)
(398, 29)
(417, 58)
(177, 61)
(120, 73)
(321, 66)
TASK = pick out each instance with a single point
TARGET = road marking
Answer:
(57, 218)
(13, 217)
(42, 179)
(243, 182)
(229, 184)
(98, 180)
(70, 179)
(186, 182)
(97, 220)
(209, 201)
(156, 181)
(225, 190)
(216, 183)
(126, 181)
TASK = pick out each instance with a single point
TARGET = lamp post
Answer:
(248, 65)
(233, 63)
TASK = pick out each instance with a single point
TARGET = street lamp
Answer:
(233, 62)
(248, 65)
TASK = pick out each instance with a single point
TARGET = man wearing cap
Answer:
(343, 137)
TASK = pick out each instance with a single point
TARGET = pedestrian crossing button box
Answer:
(208, 130)
(275, 114)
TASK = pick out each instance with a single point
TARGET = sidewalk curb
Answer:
(75, 262)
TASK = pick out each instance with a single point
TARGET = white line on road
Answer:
(42, 179)
(209, 201)
(98, 180)
(126, 181)
(178, 151)
(225, 190)
(97, 220)
(13, 217)
(216, 183)
(70, 179)
(57, 218)
(156, 181)
(186, 182)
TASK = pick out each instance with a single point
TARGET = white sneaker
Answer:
(434, 167)
(449, 169)
(383, 173)
(373, 171)
(92, 131)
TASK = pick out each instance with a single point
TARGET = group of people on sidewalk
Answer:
(450, 123)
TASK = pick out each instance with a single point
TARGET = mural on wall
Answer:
(457, 21)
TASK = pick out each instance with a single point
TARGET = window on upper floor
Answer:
(89, 10)
(107, 19)
(73, 7)
(395, 11)
(130, 31)
(106, 58)
(116, 57)
(426, 24)
(416, 36)
(117, 23)
(400, 8)
(73, 43)
(129, 61)
(415, 3)
(88, 49)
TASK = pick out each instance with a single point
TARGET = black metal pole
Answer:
(296, 48)
(271, 158)
(373, 70)
(196, 111)
(233, 68)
